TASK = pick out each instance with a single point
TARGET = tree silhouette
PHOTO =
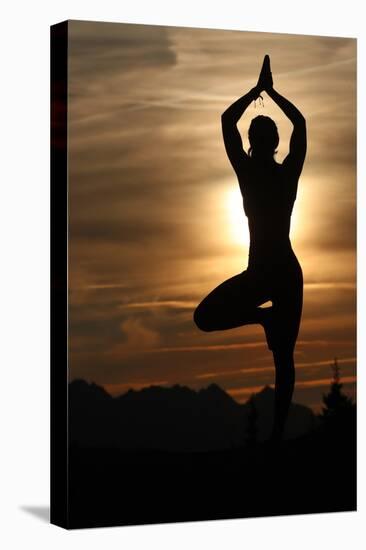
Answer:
(335, 401)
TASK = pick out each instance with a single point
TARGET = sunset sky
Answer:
(155, 213)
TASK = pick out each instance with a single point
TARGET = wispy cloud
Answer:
(245, 392)
(256, 370)
(161, 303)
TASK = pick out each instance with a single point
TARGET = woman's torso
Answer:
(268, 194)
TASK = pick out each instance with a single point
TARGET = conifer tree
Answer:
(335, 401)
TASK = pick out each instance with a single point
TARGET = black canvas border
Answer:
(59, 514)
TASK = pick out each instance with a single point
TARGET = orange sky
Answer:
(155, 215)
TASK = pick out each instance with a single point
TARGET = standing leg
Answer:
(232, 304)
(284, 387)
(287, 308)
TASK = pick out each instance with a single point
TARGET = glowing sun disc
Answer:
(237, 221)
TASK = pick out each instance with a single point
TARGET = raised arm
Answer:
(229, 119)
(295, 159)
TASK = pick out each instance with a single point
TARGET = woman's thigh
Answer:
(231, 303)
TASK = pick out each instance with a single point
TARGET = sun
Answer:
(237, 221)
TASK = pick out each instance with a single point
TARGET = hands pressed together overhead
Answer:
(265, 81)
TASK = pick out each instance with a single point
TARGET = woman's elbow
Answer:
(226, 118)
(301, 121)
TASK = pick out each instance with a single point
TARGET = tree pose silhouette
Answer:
(273, 272)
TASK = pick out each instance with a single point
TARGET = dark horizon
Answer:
(256, 390)
(179, 443)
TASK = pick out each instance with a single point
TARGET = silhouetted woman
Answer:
(273, 273)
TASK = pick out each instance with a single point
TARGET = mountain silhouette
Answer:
(142, 456)
(175, 418)
(300, 421)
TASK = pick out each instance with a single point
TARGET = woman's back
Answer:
(269, 192)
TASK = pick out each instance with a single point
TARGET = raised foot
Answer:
(268, 325)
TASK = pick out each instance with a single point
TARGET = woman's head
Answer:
(263, 136)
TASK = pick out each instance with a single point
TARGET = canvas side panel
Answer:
(59, 284)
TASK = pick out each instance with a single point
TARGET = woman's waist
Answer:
(270, 244)
(271, 252)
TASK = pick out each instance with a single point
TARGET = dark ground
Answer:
(312, 474)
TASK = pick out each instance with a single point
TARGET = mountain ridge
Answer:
(176, 418)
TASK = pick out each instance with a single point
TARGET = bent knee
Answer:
(202, 320)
